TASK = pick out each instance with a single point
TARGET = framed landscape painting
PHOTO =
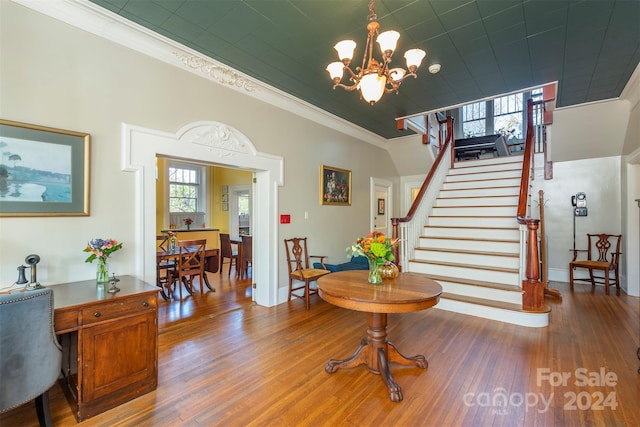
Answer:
(335, 186)
(43, 171)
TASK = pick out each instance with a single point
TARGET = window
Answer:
(474, 119)
(184, 187)
(507, 116)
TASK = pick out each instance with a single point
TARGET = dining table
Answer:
(408, 292)
(211, 262)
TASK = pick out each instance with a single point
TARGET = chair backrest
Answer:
(604, 247)
(191, 256)
(297, 255)
(225, 246)
(30, 356)
(162, 242)
(247, 248)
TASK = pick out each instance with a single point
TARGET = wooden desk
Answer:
(406, 293)
(109, 343)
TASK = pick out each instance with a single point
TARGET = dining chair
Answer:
(603, 254)
(164, 267)
(247, 256)
(299, 268)
(226, 251)
(190, 264)
(30, 355)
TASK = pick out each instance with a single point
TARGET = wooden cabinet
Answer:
(109, 343)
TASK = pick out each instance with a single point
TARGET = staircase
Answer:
(471, 243)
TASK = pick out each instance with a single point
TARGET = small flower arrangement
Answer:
(187, 221)
(101, 249)
(375, 246)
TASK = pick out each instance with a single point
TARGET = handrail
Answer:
(533, 296)
(423, 189)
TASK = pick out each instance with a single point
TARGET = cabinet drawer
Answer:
(64, 321)
(118, 308)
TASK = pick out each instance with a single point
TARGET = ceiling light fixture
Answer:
(373, 79)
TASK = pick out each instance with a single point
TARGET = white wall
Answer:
(55, 75)
(589, 130)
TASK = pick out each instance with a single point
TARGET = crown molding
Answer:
(94, 19)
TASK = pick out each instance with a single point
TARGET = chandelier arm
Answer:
(345, 87)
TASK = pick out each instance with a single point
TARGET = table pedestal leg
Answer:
(376, 352)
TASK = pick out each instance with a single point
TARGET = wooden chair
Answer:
(603, 254)
(247, 256)
(226, 251)
(299, 268)
(164, 267)
(191, 254)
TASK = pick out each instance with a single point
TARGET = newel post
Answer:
(394, 235)
(533, 296)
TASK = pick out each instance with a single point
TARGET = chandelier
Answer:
(373, 79)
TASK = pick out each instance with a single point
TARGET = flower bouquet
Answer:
(101, 249)
(188, 222)
(378, 249)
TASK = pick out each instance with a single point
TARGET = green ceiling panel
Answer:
(485, 47)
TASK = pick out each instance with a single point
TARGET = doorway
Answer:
(381, 208)
(217, 144)
(240, 208)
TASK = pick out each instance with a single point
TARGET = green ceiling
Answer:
(485, 47)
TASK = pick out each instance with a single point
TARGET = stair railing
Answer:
(409, 228)
(533, 296)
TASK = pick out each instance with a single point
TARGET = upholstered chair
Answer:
(30, 355)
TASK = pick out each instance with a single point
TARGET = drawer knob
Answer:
(145, 304)
(96, 314)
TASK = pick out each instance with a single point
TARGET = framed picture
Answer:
(380, 206)
(225, 206)
(225, 197)
(335, 186)
(43, 171)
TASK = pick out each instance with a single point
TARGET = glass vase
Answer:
(375, 278)
(102, 274)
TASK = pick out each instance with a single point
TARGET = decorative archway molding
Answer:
(219, 145)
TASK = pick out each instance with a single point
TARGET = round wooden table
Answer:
(407, 293)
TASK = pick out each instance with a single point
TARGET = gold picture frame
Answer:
(335, 186)
(50, 171)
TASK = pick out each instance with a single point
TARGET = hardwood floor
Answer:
(226, 361)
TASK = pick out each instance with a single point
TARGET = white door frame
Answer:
(218, 144)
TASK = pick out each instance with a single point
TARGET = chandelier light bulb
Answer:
(372, 87)
(336, 70)
(387, 42)
(414, 57)
(345, 50)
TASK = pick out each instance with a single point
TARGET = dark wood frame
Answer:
(343, 182)
(38, 139)
(380, 206)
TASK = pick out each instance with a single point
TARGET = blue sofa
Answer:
(356, 263)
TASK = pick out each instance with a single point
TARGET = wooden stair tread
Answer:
(470, 227)
(462, 251)
(481, 180)
(478, 283)
(476, 197)
(475, 206)
(471, 239)
(479, 188)
(495, 304)
(476, 267)
(480, 172)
